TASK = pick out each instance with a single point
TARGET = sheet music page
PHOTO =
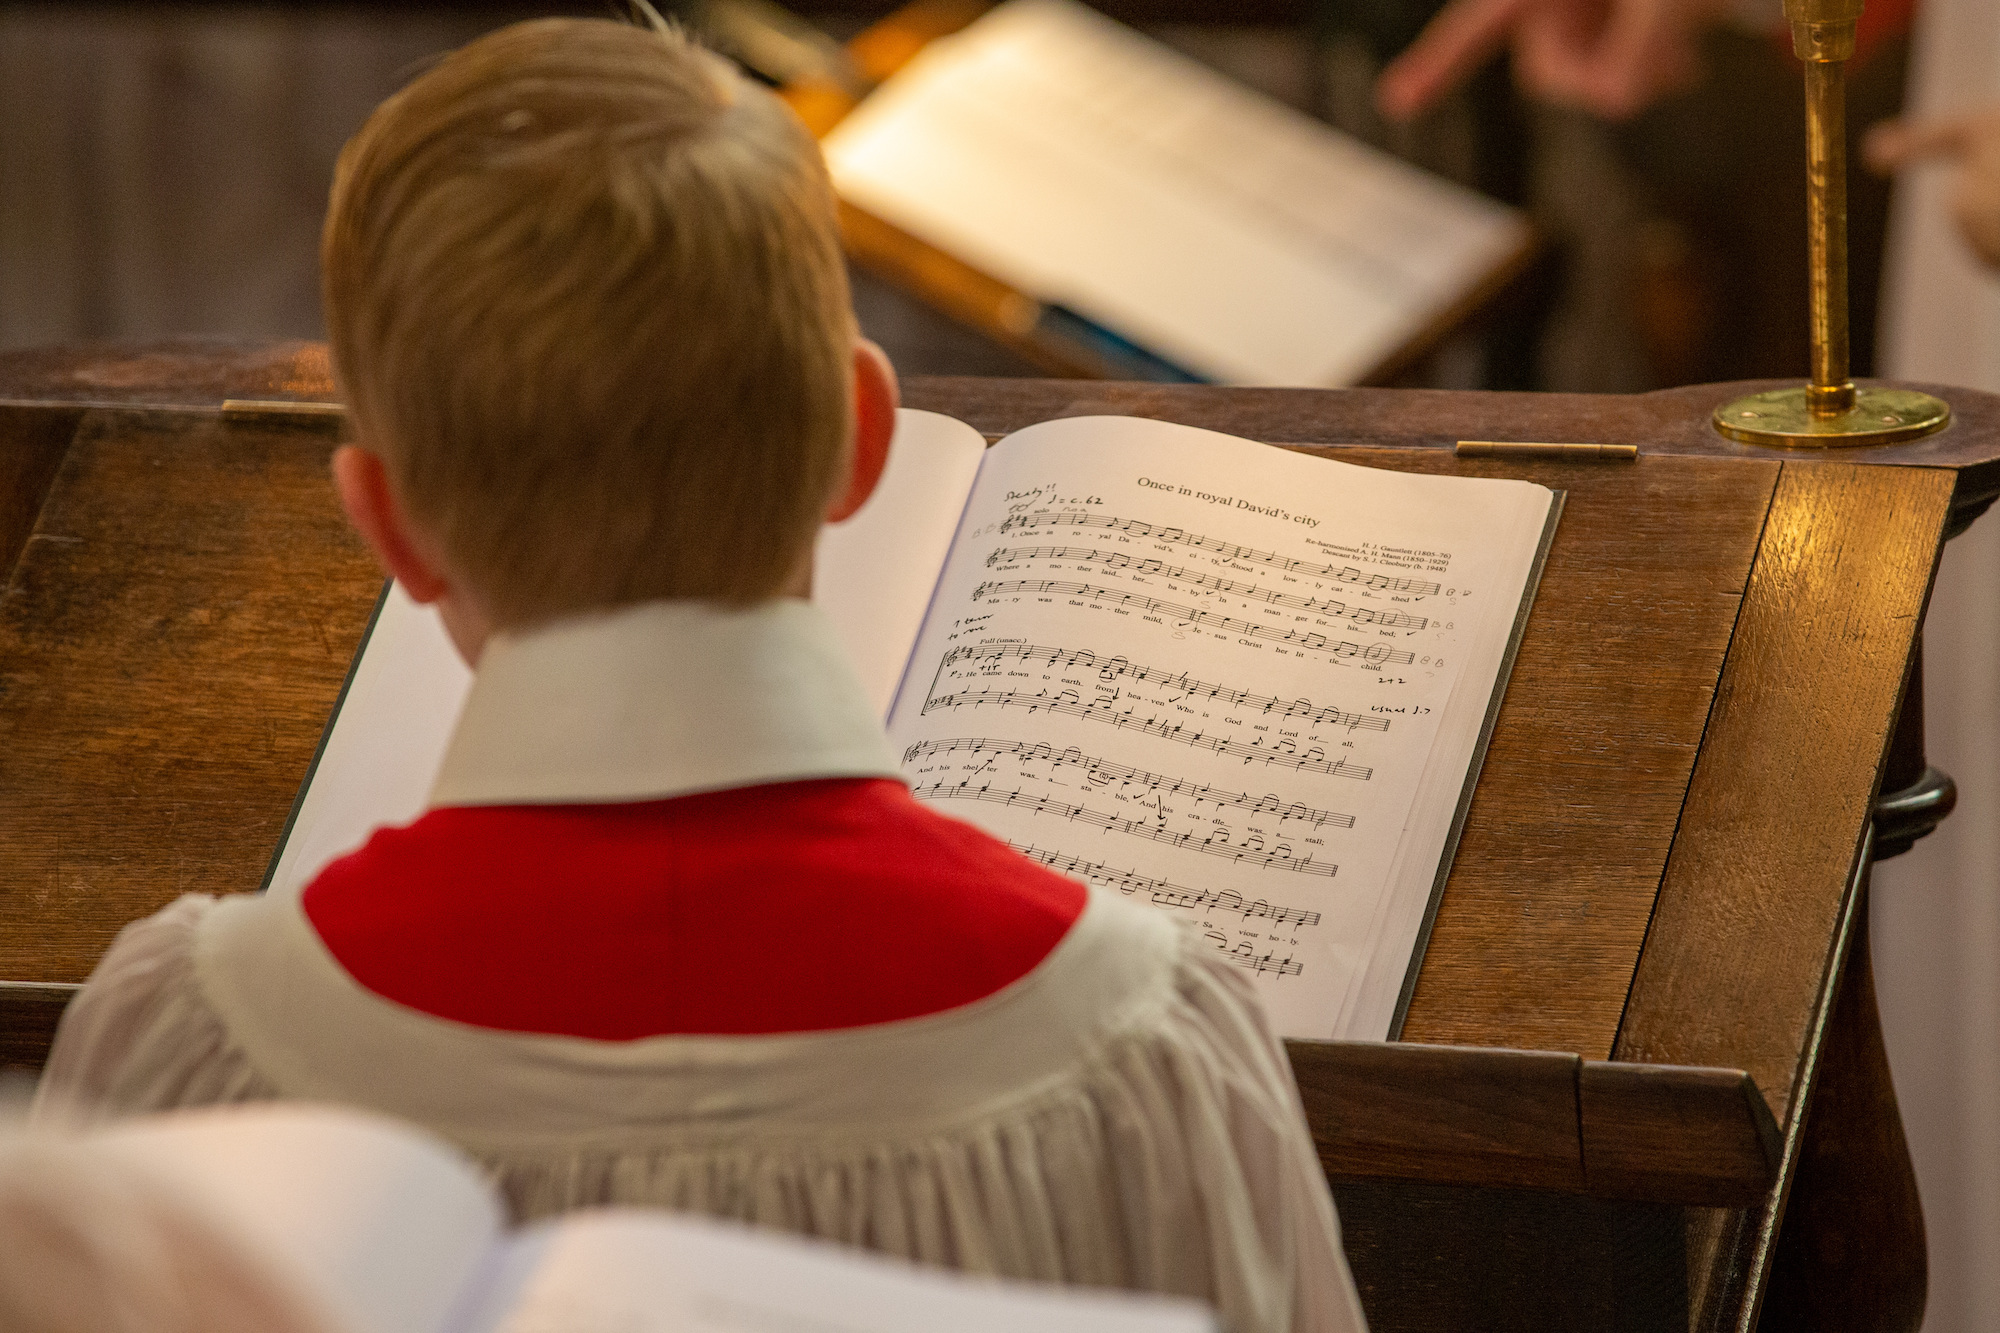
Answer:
(1091, 167)
(385, 747)
(875, 572)
(628, 1271)
(874, 578)
(1211, 676)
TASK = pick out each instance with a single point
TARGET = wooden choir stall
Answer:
(1641, 1083)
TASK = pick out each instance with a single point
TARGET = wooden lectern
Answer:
(1644, 1026)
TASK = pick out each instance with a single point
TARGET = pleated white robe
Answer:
(1118, 1117)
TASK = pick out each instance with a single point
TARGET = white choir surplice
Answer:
(1119, 1116)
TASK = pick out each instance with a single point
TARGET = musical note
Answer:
(1244, 954)
(1375, 654)
(1228, 550)
(1325, 606)
(1104, 772)
(1215, 844)
(1166, 893)
(1068, 703)
(1109, 669)
(1264, 962)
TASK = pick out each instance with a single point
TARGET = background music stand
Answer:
(986, 304)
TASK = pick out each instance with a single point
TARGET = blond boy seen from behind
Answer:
(588, 307)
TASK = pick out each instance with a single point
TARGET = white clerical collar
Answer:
(661, 699)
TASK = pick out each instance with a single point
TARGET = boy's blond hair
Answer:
(584, 290)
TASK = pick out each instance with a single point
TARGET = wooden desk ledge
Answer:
(1452, 1115)
(29, 1012)
(1460, 1115)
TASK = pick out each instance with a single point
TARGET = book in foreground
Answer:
(1249, 687)
(365, 1225)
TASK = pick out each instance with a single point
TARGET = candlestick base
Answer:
(1783, 419)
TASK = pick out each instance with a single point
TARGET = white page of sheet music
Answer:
(1089, 166)
(377, 763)
(874, 573)
(1212, 675)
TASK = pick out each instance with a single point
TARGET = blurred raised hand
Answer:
(1610, 57)
(1971, 141)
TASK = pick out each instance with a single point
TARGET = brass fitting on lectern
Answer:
(1823, 37)
(1828, 410)
(1823, 30)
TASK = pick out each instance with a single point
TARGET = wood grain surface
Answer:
(1536, 1120)
(1671, 421)
(1459, 1259)
(1440, 1113)
(1660, 1132)
(32, 443)
(1851, 1255)
(1548, 900)
(182, 372)
(203, 372)
(170, 645)
(1737, 960)
(28, 1016)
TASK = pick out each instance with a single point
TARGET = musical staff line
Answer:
(1164, 892)
(1228, 550)
(1365, 615)
(1104, 773)
(1375, 654)
(1109, 668)
(1279, 859)
(1070, 704)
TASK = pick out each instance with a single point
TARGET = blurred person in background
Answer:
(1970, 142)
(1657, 146)
(1612, 58)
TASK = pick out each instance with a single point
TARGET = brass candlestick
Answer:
(1829, 411)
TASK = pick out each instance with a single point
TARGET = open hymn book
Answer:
(1246, 686)
(364, 1225)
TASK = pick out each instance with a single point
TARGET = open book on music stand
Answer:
(1109, 208)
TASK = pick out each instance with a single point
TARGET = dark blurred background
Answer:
(163, 169)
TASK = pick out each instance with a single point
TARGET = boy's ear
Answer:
(363, 484)
(875, 401)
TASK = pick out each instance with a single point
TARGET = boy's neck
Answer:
(467, 624)
(470, 629)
